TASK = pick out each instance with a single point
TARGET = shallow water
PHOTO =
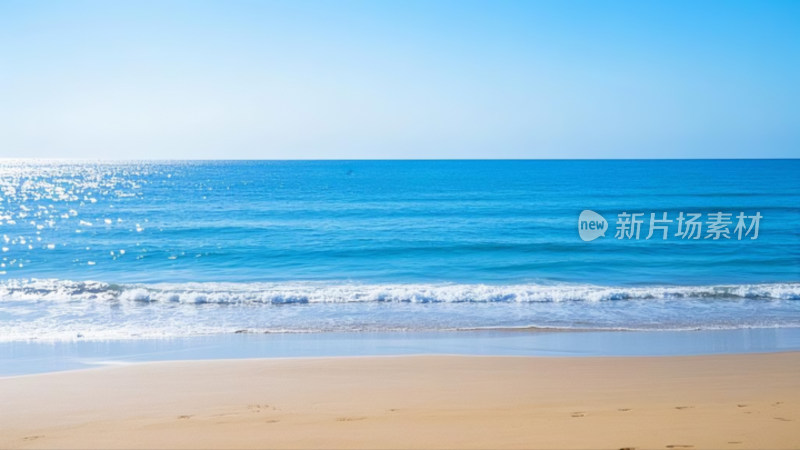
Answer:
(18, 358)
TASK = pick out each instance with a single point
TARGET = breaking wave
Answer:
(318, 292)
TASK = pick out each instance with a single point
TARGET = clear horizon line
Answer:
(8, 159)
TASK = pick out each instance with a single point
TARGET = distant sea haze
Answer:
(163, 249)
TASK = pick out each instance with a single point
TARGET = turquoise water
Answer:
(175, 249)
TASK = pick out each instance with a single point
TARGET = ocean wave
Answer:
(329, 292)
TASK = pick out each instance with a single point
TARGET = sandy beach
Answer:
(722, 401)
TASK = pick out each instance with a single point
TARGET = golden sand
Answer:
(725, 401)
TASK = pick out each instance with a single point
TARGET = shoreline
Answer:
(710, 401)
(28, 357)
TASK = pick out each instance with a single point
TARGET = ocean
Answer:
(97, 251)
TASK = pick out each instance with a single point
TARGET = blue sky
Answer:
(381, 79)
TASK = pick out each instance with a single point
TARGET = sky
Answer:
(399, 79)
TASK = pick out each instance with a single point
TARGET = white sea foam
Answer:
(318, 292)
(62, 310)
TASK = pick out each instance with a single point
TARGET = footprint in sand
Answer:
(578, 414)
(186, 416)
(741, 405)
(680, 446)
(734, 442)
(782, 419)
(624, 409)
(261, 407)
(33, 438)
(272, 421)
(683, 407)
(627, 448)
(349, 419)
(777, 403)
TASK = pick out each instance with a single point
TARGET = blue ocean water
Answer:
(165, 249)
